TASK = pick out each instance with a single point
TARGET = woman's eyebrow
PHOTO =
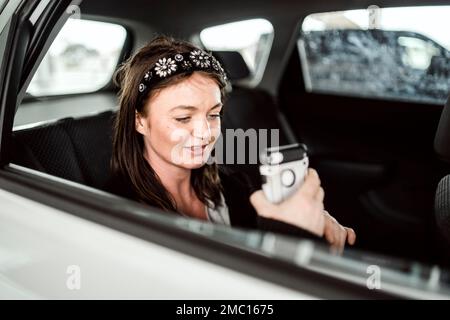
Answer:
(184, 107)
(195, 108)
(217, 106)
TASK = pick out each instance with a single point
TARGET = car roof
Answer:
(202, 13)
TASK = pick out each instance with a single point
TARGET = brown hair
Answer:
(128, 160)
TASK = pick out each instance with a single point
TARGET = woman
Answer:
(171, 101)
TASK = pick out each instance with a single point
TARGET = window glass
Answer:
(395, 53)
(82, 59)
(251, 38)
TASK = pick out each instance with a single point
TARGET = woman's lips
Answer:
(197, 150)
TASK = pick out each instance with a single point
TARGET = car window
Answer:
(254, 42)
(378, 53)
(82, 59)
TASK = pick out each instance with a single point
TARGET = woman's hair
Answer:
(128, 160)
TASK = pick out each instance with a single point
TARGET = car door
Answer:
(368, 110)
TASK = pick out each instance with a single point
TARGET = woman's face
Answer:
(182, 122)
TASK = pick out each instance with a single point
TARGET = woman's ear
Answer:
(140, 124)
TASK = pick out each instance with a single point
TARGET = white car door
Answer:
(47, 253)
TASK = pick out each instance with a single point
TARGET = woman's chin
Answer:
(193, 166)
(193, 162)
(189, 160)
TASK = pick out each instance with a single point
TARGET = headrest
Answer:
(233, 63)
(442, 138)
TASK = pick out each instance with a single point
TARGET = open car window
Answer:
(389, 53)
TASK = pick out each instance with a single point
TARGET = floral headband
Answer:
(196, 60)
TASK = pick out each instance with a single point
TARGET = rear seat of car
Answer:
(75, 149)
(79, 149)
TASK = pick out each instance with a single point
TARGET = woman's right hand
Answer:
(303, 209)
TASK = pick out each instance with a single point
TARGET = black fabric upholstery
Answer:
(250, 109)
(233, 63)
(92, 139)
(442, 138)
(53, 150)
(442, 207)
(74, 149)
(247, 108)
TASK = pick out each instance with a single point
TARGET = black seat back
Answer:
(47, 148)
(442, 198)
(74, 149)
(92, 140)
(248, 108)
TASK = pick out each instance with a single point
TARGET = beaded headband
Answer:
(196, 60)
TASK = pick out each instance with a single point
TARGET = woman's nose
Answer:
(201, 129)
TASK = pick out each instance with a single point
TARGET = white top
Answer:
(218, 214)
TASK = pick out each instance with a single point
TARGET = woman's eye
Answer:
(214, 116)
(183, 119)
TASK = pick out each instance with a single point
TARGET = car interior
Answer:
(383, 156)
